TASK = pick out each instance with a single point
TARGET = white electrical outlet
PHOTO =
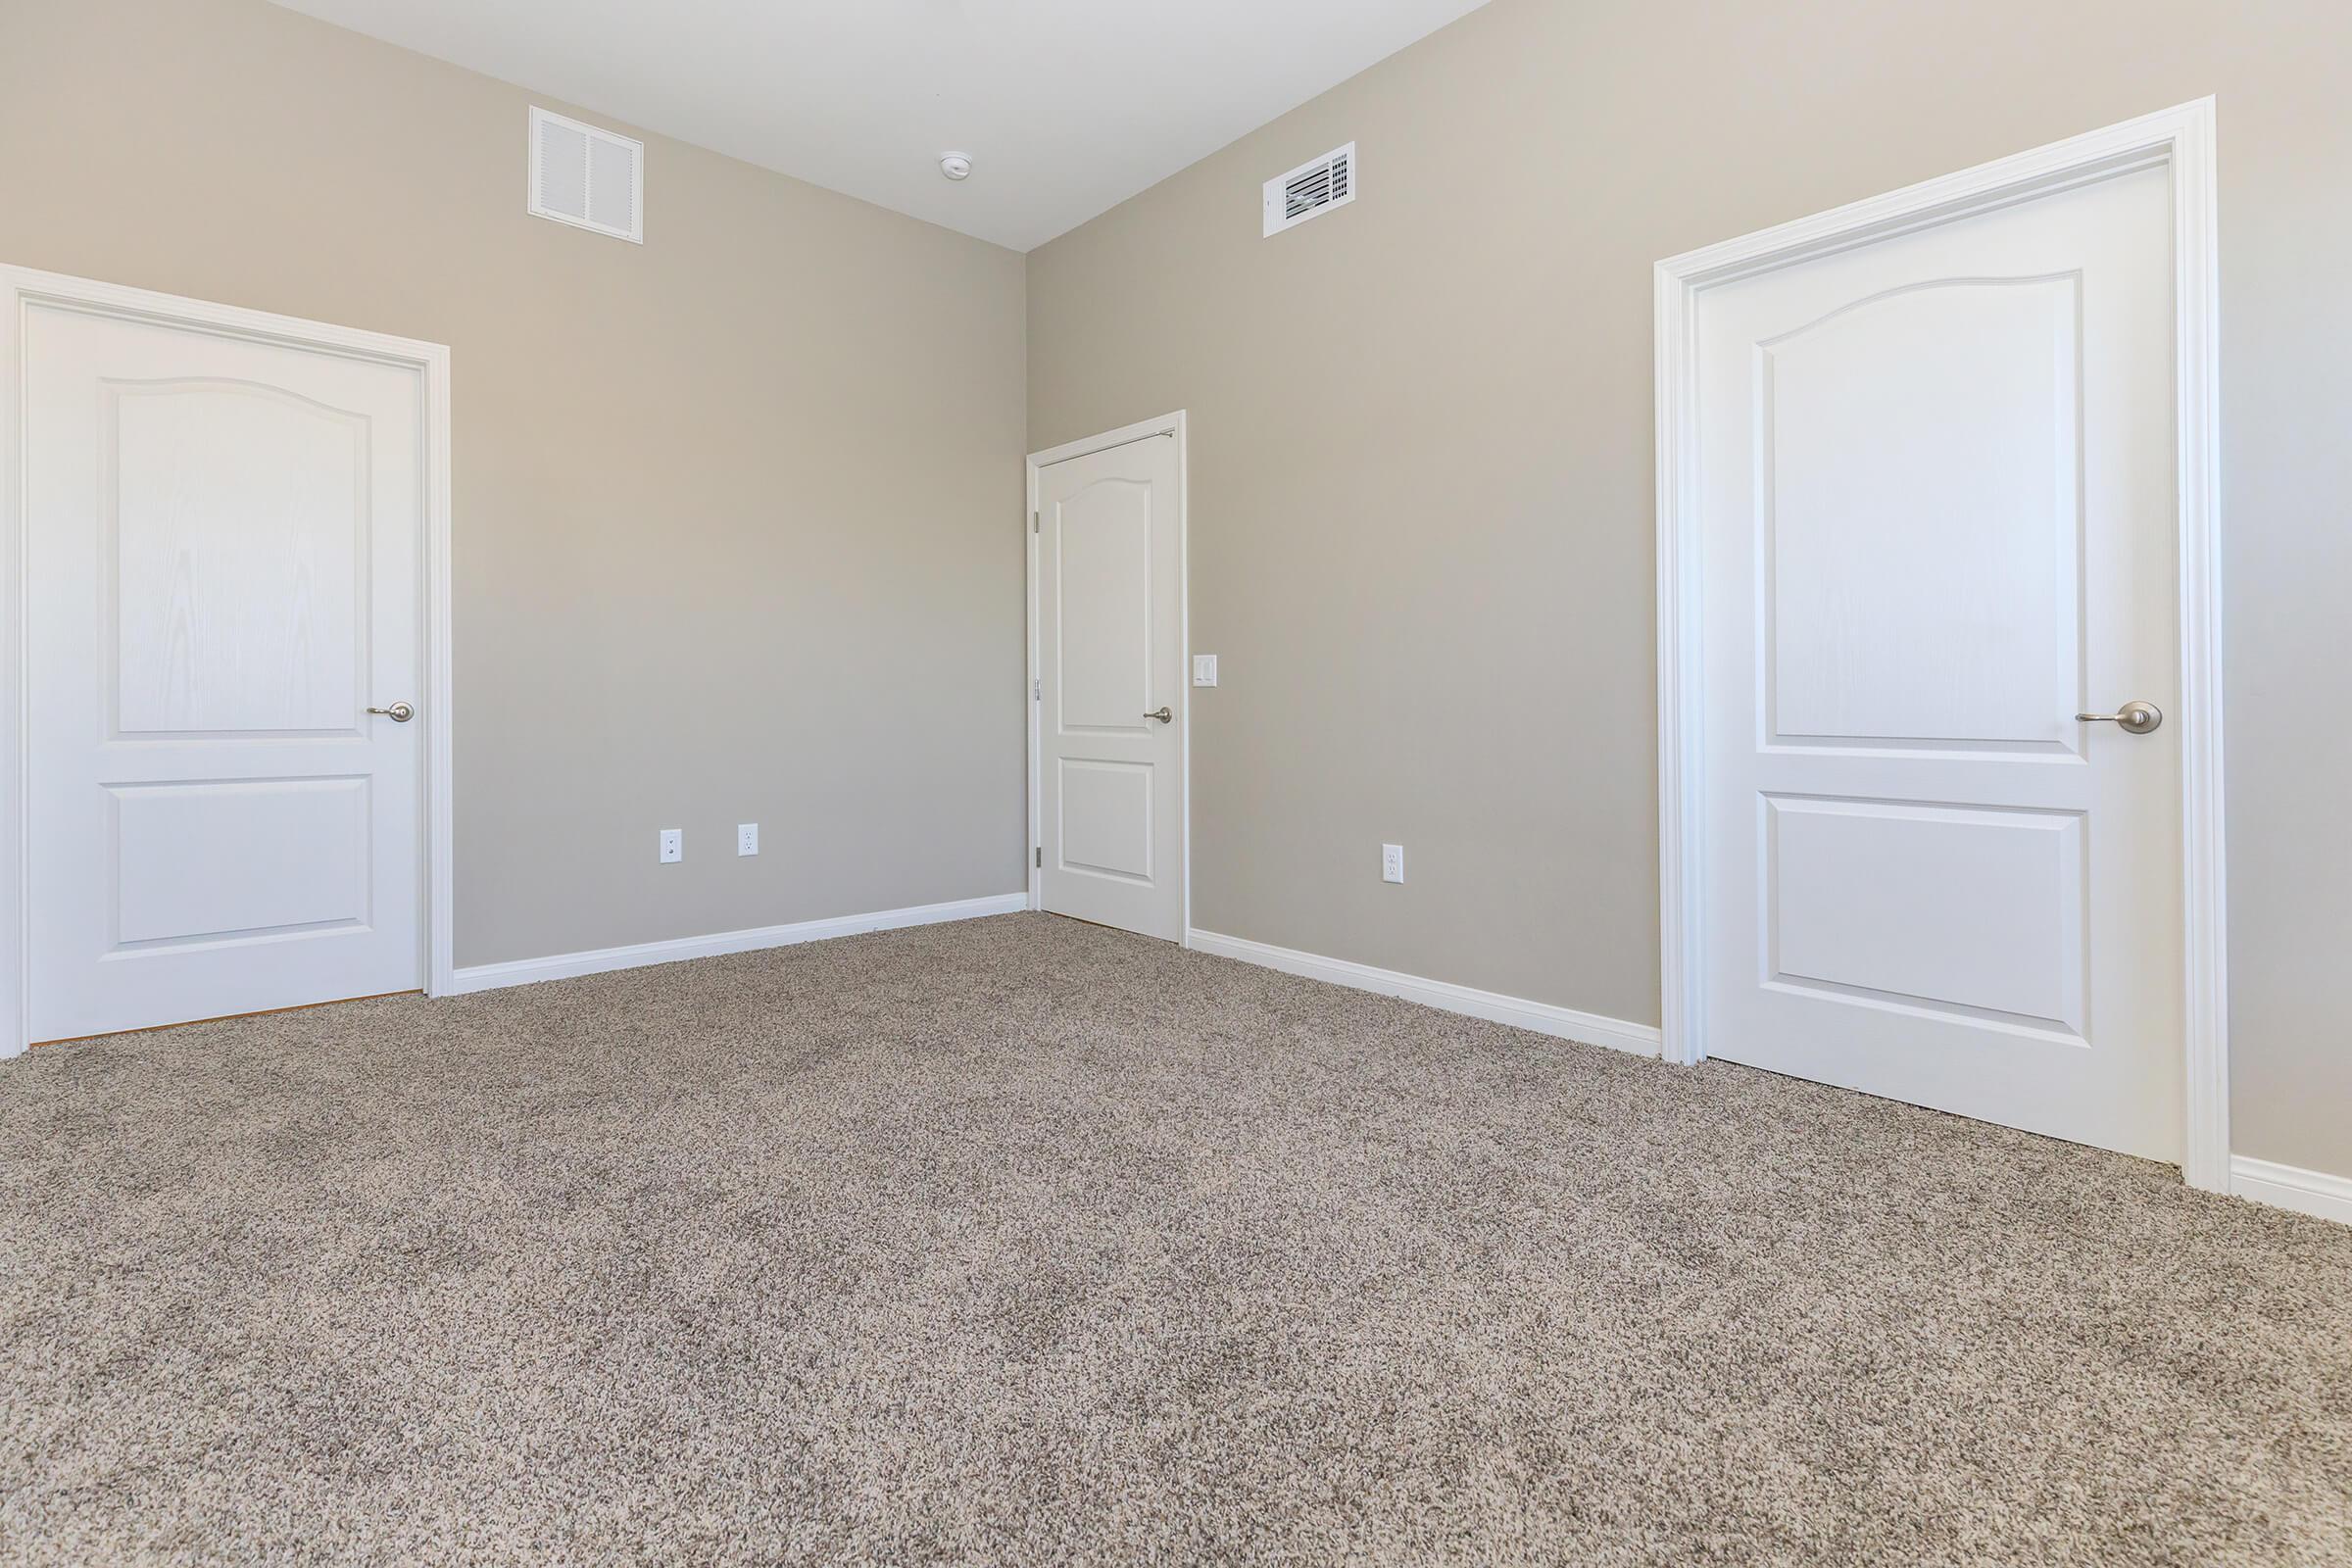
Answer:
(747, 838)
(673, 845)
(1204, 670)
(1391, 862)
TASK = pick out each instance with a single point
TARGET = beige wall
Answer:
(1421, 506)
(737, 524)
(736, 521)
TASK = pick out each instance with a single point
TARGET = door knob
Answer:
(398, 712)
(1162, 714)
(2134, 719)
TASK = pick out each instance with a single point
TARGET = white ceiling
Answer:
(1066, 107)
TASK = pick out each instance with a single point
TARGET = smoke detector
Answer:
(956, 165)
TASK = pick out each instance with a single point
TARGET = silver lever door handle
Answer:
(398, 712)
(1162, 714)
(2134, 719)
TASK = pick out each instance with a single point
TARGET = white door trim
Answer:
(21, 287)
(2179, 139)
(1167, 425)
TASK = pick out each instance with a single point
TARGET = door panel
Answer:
(240, 587)
(1107, 819)
(1851, 888)
(223, 545)
(1938, 475)
(1921, 593)
(1110, 652)
(1103, 603)
(207, 861)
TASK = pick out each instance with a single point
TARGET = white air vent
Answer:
(1311, 189)
(587, 177)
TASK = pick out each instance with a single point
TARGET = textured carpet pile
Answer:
(1021, 1241)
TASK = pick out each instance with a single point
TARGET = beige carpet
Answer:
(1024, 1242)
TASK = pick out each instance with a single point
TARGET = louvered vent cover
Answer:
(587, 177)
(1311, 189)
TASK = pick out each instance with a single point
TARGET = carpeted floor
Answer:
(1022, 1241)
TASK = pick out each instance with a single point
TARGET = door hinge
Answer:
(1037, 690)
(1034, 526)
(1040, 857)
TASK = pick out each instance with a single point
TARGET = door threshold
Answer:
(190, 1023)
(1101, 925)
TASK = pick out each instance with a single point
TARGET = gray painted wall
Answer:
(737, 524)
(1422, 484)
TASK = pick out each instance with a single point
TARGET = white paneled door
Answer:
(223, 572)
(1938, 478)
(1110, 691)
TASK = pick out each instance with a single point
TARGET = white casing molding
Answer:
(677, 950)
(2182, 140)
(2306, 1191)
(1540, 1017)
(21, 288)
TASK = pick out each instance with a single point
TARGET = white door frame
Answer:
(2180, 140)
(1166, 426)
(19, 289)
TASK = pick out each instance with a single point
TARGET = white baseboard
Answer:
(1562, 1024)
(2306, 1191)
(565, 965)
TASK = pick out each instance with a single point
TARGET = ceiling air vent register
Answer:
(1310, 190)
(587, 177)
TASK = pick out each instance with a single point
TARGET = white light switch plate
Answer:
(1391, 862)
(1204, 670)
(747, 838)
(673, 845)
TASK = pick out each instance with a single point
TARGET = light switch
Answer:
(1204, 670)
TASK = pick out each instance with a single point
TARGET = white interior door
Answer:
(1937, 476)
(1112, 692)
(224, 571)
